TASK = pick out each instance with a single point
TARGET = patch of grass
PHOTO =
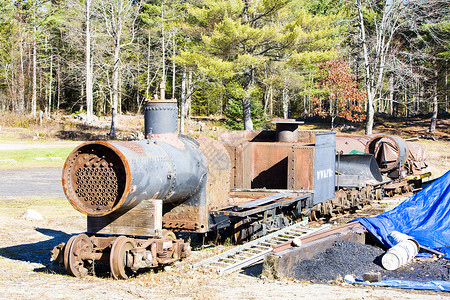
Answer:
(33, 158)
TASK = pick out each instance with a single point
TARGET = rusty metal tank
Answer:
(101, 177)
(390, 152)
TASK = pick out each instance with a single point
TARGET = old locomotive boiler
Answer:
(136, 194)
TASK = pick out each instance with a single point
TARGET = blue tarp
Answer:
(435, 285)
(425, 216)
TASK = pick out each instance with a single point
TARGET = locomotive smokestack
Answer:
(161, 115)
(287, 130)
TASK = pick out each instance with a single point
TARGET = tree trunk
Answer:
(34, 88)
(305, 101)
(119, 93)
(446, 86)
(435, 102)
(247, 103)
(391, 95)
(21, 83)
(271, 103)
(173, 66)
(421, 98)
(183, 100)
(115, 86)
(370, 93)
(285, 101)
(163, 45)
(89, 97)
(50, 83)
(190, 90)
(58, 78)
(147, 90)
(12, 103)
(247, 112)
(267, 97)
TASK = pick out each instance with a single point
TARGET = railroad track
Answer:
(247, 254)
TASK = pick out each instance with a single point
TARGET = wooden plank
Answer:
(145, 219)
(264, 200)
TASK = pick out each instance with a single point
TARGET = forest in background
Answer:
(243, 60)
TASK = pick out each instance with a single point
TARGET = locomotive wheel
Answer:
(80, 246)
(168, 234)
(67, 251)
(119, 257)
(354, 198)
(366, 197)
(378, 194)
(341, 200)
(237, 232)
(314, 216)
(327, 209)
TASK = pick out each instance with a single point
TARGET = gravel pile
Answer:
(345, 258)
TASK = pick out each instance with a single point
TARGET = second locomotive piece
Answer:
(136, 194)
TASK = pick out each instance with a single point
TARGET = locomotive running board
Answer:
(261, 205)
(254, 251)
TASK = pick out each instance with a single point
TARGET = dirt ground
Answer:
(27, 273)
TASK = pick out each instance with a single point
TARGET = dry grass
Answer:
(414, 127)
(438, 156)
(64, 127)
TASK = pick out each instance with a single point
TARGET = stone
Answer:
(32, 215)
(167, 268)
(297, 242)
(372, 276)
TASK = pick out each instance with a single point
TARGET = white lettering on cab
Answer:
(322, 174)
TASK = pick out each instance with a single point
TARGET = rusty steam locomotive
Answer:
(136, 194)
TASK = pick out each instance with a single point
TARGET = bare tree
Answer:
(377, 47)
(89, 98)
(435, 102)
(119, 18)
(183, 100)
(34, 89)
(21, 82)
